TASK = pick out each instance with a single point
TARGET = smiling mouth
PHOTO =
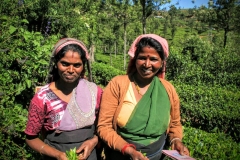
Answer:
(146, 71)
(69, 77)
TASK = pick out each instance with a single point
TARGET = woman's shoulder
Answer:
(41, 93)
(165, 81)
(86, 81)
(168, 85)
(42, 89)
(120, 78)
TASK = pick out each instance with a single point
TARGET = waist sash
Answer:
(67, 140)
(153, 151)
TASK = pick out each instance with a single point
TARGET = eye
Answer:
(77, 65)
(141, 57)
(154, 59)
(65, 64)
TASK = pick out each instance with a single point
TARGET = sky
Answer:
(185, 4)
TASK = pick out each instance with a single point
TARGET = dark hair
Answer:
(148, 41)
(53, 70)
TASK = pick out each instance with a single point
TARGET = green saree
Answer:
(150, 118)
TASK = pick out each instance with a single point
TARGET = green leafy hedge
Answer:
(103, 73)
(200, 62)
(211, 108)
(113, 60)
(214, 146)
(23, 66)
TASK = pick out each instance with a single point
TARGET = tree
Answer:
(166, 25)
(121, 13)
(173, 14)
(225, 11)
(148, 6)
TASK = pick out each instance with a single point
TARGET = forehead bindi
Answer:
(149, 52)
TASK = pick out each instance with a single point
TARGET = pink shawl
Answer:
(161, 40)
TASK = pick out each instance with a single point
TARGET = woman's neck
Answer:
(65, 88)
(142, 82)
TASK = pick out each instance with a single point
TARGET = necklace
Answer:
(137, 86)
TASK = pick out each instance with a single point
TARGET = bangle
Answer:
(174, 140)
(125, 147)
(40, 151)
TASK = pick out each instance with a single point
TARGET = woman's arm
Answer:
(175, 129)
(109, 105)
(36, 115)
(175, 126)
(39, 146)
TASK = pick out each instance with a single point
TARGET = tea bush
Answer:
(23, 63)
(211, 108)
(115, 61)
(103, 73)
(214, 146)
(199, 62)
(207, 80)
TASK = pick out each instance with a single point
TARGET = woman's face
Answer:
(70, 67)
(148, 62)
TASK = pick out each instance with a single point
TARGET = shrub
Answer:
(103, 73)
(200, 62)
(23, 64)
(210, 108)
(115, 61)
(214, 146)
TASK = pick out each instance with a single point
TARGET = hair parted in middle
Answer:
(60, 49)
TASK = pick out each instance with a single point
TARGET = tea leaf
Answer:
(71, 154)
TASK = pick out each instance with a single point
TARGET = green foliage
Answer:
(214, 146)
(111, 59)
(23, 63)
(206, 78)
(201, 62)
(205, 74)
(212, 108)
(103, 73)
(71, 154)
(11, 136)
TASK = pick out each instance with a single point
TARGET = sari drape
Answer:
(150, 118)
(77, 124)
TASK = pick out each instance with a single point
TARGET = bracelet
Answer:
(40, 151)
(174, 140)
(127, 145)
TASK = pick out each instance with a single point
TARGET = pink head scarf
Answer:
(161, 40)
(66, 41)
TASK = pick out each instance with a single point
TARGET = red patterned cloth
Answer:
(46, 111)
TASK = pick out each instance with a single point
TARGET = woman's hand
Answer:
(39, 146)
(179, 146)
(61, 156)
(135, 155)
(86, 148)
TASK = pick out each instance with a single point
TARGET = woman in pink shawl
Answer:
(64, 111)
(140, 111)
